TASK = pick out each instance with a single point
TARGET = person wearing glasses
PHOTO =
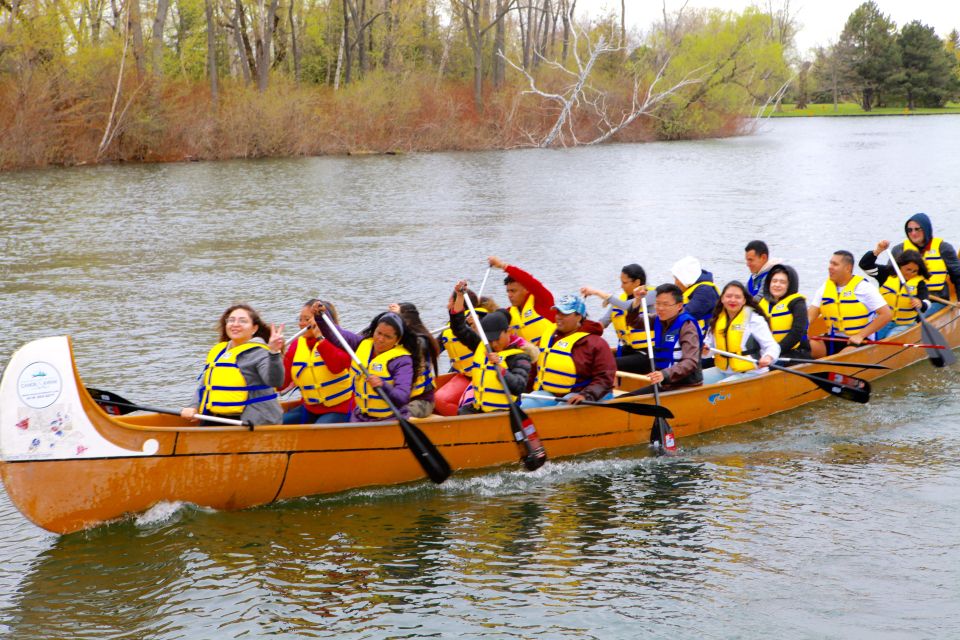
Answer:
(677, 340)
(907, 299)
(242, 371)
(940, 256)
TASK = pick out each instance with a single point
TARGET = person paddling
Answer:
(740, 327)
(511, 353)
(532, 313)
(631, 342)
(677, 341)
(906, 300)
(421, 402)
(391, 354)
(787, 311)
(575, 362)
(242, 371)
(852, 308)
(447, 397)
(939, 255)
(322, 372)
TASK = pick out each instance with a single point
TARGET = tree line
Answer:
(876, 64)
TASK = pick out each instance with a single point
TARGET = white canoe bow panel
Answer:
(41, 417)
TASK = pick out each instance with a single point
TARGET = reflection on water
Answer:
(833, 520)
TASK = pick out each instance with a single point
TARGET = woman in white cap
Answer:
(575, 362)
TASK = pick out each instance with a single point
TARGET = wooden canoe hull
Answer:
(98, 468)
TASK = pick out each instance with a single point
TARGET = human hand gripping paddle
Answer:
(930, 334)
(662, 432)
(427, 455)
(836, 384)
(532, 452)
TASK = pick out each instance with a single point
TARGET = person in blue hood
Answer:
(939, 256)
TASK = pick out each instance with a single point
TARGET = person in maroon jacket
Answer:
(575, 363)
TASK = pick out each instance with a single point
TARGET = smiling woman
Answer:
(242, 371)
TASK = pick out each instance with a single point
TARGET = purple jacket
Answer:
(400, 369)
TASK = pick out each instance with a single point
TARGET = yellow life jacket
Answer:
(488, 393)
(898, 298)
(728, 336)
(781, 320)
(937, 284)
(556, 371)
(424, 381)
(368, 400)
(461, 358)
(223, 389)
(636, 339)
(701, 322)
(842, 310)
(318, 385)
(528, 324)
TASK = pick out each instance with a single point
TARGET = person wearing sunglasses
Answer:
(939, 256)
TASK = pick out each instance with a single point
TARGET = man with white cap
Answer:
(700, 294)
(575, 362)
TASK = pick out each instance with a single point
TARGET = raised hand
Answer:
(276, 338)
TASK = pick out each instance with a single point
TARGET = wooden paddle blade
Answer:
(108, 401)
(433, 463)
(846, 387)
(932, 335)
(532, 452)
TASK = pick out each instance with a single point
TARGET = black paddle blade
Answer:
(532, 452)
(111, 402)
(433, 463)
(846, 387)
(655, 411)
(662, 439)
(931, 335)
(852, 365)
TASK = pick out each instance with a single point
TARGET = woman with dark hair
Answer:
(738, 326)
(422, 397)
(786, 310)
(390, 351)
(632, 342)
(447, 397)
(242, 371)
(321, 371)
(908, 300)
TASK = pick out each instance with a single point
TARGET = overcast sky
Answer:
(821, 20)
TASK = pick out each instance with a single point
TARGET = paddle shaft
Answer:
(530, 451)
(429, 457)
(826, 385)
(668, 444)
(884, 342)
(949, 303)
(171, 412)
(928, 332)
(629, 407)
(484, 283)
(852, 365)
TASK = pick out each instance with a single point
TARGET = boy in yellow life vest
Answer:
(531, 304)
(852, 308)
(631, 341)
(939, 255)
(447, 397)
(907, 301)
(511, 353)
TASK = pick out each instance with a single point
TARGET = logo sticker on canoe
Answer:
(718, 397)
(39, 385)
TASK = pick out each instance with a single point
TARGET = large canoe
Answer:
(67, 465)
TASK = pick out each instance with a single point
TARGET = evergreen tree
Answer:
(868, 47)
(926, 77)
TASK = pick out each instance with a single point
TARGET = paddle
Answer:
(656, 411)
(118, 406)
(532, 452)
(836, 384)
(852, 365)
(915, 345)
(661, 434)
(949, 303)
(484, 284)
(929, 332)
(431, 460)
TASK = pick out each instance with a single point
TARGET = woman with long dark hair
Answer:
(631, 341)
(739, 326)
(390, 352)
(242, 370)
(422, 396)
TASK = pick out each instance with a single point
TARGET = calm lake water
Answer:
(834, 520)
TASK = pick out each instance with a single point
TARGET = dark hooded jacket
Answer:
(704, 300)
(794, 344)
(947, 252)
